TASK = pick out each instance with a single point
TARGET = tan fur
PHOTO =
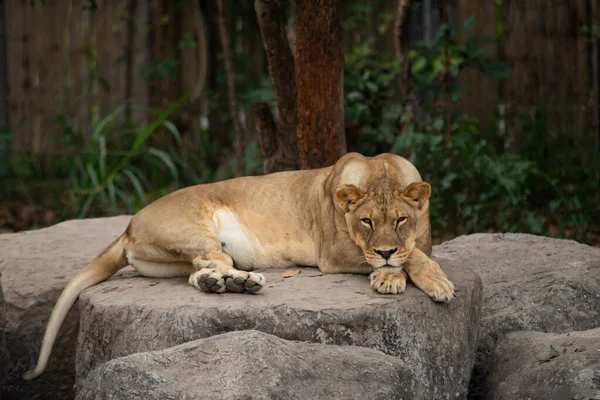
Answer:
(310, 218)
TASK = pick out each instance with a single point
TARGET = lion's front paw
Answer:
(210, 280)
(437, 286)
(443, 291)
(388, 282)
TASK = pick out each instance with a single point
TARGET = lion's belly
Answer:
(250, 248)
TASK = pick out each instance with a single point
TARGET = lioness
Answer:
(361, 215)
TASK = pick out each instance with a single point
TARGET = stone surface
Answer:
(254, 365)
(129, 314)
(529, 283)
(540, 366)
(35, 267)
(4, 358)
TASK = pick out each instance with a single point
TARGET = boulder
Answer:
(254, 365)
(35, 267)
(529, 283)
(4, 358)
(130, 314)
(534, 365)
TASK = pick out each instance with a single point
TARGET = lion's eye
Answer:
(366, 221)
(400, 220)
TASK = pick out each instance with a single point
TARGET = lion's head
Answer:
(382, 219)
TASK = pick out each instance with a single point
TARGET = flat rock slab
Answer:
(540, 366)
(253, 365)
(4, 357)
(129, 314)
(35, 267)
(529, 283)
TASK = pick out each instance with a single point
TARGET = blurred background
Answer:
(108, 105)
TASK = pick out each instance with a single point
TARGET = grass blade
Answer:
(174, 131)
(99, 127)
(162, 117)
(167, 160)
(137, 185)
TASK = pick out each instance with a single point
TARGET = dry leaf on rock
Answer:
(290, 273)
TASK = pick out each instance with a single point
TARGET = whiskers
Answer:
(400, 258)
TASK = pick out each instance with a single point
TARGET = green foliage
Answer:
(363, 15)
(435, 66)
(369, 80)
(103, 181)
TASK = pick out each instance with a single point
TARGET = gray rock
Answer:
(35, 267)
(129, 314)
(540, 366)
(530, 283)
(253, 365)
(4, 358)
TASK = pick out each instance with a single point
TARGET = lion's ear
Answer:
(349, 196)
(417, 193)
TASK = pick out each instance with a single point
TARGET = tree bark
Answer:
(277, 135)
(238, 144)
(401, 46)
(319, 81)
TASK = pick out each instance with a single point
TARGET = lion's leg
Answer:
(215, 274)
(427, 275)
(198, 254)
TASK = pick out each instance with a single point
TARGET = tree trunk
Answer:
(401, 46)
(4, 145)
(277, 135)
(238, 144)
(319, 81)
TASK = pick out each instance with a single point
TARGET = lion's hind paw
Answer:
(210, 280)
(242, 281)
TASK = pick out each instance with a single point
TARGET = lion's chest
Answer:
(251, 247)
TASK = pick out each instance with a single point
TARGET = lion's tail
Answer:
(101, 268)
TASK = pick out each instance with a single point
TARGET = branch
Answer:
(238, 144)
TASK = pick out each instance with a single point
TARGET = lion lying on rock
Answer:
(361, 215)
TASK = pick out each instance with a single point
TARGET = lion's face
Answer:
(382, 219)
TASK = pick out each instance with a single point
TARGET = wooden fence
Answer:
(552, 66)
(67, 61)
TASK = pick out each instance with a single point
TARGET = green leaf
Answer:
(99, 127)
(162, 117)
(167, 160)
(174, 131)
(102, 157)
(112, 197)
(86, 206)
(137, 185)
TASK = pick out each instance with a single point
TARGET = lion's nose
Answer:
(386, 253)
